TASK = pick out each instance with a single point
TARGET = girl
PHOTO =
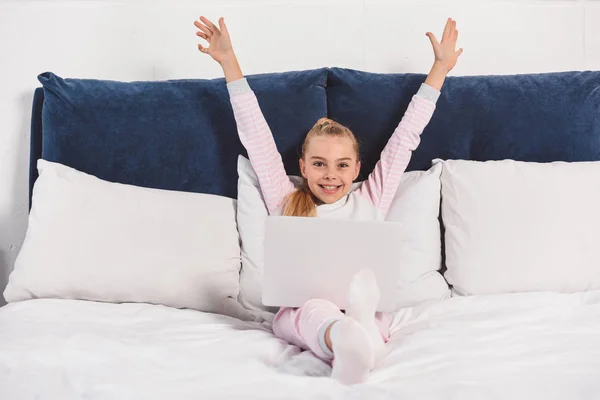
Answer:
(329, 164)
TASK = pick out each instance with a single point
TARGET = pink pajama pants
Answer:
(305, 326)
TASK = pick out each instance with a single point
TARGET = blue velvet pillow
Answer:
(176, 135)
(530, 117)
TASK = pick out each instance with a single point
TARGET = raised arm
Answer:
(381, 185)
(253, 129)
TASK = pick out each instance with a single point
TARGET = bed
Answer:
(518, 346)
(79, 327)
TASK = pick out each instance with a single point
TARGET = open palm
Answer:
(445, 51)
(219, 42)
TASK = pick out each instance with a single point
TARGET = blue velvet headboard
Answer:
(181, 134)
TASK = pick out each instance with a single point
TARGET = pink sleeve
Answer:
(258, 140)
(381, 185)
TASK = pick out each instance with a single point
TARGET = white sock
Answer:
(362, 300)
(352, 351)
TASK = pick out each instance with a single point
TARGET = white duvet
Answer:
(520, 346)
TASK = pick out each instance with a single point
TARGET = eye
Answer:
(343, 165)
(318, 163)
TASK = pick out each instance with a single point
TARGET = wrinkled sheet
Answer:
(512, 346)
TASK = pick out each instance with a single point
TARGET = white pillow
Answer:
(521, 227)
(416, 205)
(91, 239)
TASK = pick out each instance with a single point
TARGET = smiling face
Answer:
(330, 164)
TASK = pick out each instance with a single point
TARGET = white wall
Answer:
(148, 40)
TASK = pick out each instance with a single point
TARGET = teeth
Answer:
(330, 187)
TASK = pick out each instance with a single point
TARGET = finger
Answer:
(207, 24)
(202, 48)
(199, 24)
(212, 26)
(447, 29)
(459, 52)
(433, 40)
(222, 26)
(203, 36)
(203, 28)
(455, 35)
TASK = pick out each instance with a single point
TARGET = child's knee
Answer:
(320, 304)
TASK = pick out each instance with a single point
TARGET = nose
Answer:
(330, 174)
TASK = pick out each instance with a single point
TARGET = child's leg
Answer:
(356, 339)
(353, 350)
(363, 297)
(321, 314)
(382, 321)
(305, 326)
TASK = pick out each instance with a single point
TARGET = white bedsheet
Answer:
(520, 346)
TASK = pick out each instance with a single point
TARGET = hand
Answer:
(220, 48)
(445, 52)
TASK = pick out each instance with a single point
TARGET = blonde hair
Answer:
(302, 202)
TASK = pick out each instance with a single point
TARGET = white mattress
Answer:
(520, 346)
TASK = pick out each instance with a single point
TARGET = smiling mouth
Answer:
(330, 189)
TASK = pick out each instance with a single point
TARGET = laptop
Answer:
(316, 258)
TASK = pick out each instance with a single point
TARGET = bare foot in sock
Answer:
(363, 297)
(352, 352)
